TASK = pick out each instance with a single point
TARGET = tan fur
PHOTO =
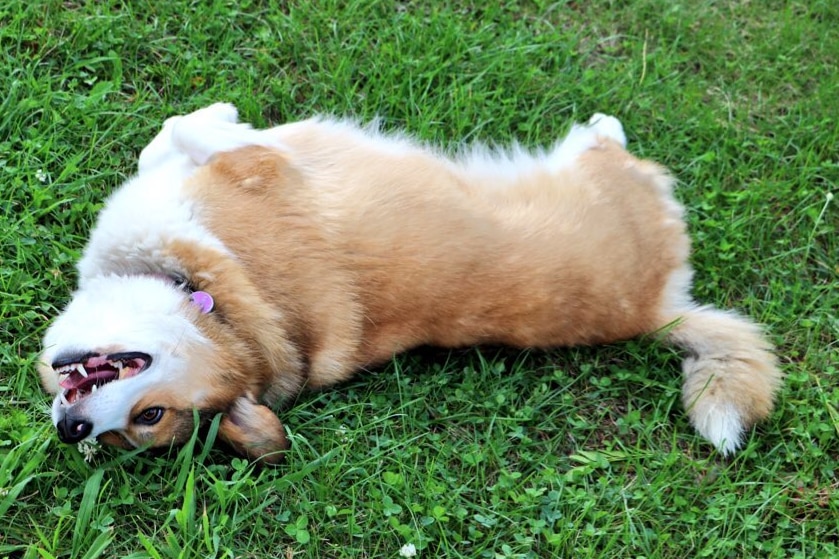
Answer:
(434, 261)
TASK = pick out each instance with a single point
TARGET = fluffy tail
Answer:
(730, 375)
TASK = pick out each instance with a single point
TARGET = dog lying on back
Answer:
(241, 266)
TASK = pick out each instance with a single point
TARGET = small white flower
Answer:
(408, 550)
(88, 448)
(344, 431)
(3, 491)
(41, 175)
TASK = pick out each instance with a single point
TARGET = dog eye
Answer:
(149, 416)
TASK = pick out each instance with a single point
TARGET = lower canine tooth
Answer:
(95, 388)
(63, 399)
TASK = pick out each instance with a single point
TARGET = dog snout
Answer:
(73, 430)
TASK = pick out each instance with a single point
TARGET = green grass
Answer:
(577, 453)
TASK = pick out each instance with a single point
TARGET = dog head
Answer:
(131, 359)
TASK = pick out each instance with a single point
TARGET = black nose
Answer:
(72, 430)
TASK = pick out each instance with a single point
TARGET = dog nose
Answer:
(72, 430)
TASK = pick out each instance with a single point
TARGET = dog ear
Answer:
(254, 431)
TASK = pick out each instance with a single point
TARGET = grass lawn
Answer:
(582, 452)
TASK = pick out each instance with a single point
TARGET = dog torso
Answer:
(370, 248)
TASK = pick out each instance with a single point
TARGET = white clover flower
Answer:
(41, 175)
(408, 550)
(88, 449)
(344, 431)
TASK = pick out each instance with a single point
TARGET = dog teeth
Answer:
(80, 369)
(63, 398)
(94, 388)
(65, 371)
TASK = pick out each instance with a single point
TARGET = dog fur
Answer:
(328, 247)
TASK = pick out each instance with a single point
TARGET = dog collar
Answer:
(201, 299)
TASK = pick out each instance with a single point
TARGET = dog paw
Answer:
(222, 112)
(608, 126)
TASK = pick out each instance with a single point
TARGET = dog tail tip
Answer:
(721, 425)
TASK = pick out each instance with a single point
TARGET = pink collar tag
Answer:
(203, 301)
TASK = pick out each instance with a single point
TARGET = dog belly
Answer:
(575, 316)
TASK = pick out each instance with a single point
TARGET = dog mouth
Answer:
(81, 375)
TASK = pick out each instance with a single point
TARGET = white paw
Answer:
(223, 112)
(608, 126)
(583, 137)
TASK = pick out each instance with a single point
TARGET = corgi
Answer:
(241, 266)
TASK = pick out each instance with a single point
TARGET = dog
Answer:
(240, 266)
